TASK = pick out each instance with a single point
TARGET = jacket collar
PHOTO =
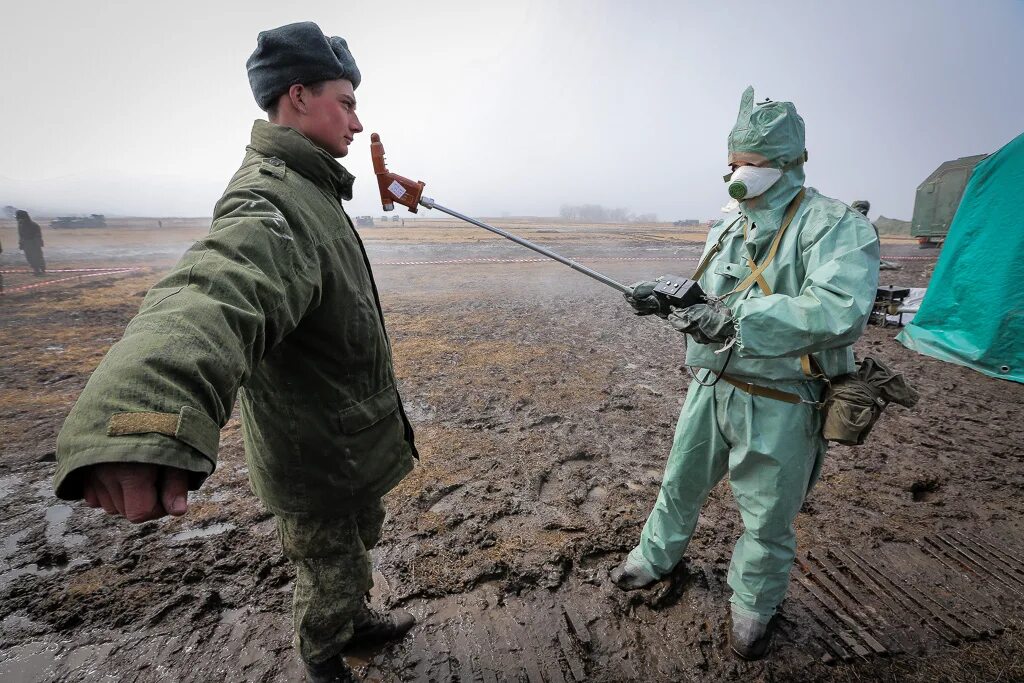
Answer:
(302, 156)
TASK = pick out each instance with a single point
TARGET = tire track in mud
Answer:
(842, 608)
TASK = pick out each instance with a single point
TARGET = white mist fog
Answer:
(144, 108)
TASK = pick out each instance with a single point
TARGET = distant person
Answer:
(863, 206)
(277, 306)
(30, 240)
(791, 275)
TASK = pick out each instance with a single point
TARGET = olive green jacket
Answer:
(823, 280)
(277, 306)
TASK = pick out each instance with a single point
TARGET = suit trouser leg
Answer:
(775, 458)
(698, 460)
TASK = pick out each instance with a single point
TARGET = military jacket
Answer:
(29, 232)
(823, 282)
(277, 305)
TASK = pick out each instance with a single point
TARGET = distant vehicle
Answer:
(364, 221)
(689, 223)
(94, 220)
(938, 198)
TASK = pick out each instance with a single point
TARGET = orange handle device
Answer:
(394, 189)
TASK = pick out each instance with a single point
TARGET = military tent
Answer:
(973, 312)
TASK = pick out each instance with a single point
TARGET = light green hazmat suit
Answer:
(823, 281)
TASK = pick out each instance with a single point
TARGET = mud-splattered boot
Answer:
(628, 576)
(373, 626)
(334, 670)
(750, 638)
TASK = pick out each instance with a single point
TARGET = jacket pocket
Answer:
(370, 411)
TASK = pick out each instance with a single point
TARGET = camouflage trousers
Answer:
(333, 575)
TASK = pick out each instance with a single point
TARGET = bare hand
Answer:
(137, 491)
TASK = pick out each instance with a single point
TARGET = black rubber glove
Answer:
(705, 324)
(644, 301)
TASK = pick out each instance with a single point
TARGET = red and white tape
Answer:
(74, 270)
(91, 273)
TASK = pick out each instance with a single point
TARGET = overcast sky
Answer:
(139, 108)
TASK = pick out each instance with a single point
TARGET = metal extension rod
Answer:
(625, 289)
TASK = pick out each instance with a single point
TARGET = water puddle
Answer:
(11, 543)
(29, 662)
(87, 656)
(212, 530)
(231, 616)
(56, 527)
(19, 622)
(28, 570)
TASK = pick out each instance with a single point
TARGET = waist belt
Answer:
(767, 392)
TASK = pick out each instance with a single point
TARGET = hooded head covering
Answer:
(297, 53)
(769, 132)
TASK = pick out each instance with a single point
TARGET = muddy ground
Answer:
(544, 412)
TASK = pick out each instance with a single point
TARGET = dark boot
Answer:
(373, 626)
(334, 670)
(628, 576)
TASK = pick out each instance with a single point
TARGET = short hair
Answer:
(315, 88)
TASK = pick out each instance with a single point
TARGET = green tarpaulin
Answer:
(973, 312)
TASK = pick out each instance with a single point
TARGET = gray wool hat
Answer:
(297, 53)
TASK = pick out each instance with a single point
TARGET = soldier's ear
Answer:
(297, 95)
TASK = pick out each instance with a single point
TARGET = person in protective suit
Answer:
(863, 206)
(277, 306)
(30, 240)
(791, 277)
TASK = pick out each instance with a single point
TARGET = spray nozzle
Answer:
(394, 189)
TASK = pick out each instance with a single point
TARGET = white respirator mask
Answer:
(750, 181)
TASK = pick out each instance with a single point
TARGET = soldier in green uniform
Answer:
(30, 241)
(277, 307)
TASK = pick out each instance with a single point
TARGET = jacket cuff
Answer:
(152, 449)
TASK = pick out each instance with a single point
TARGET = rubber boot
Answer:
(628, 576)
(750, 638)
